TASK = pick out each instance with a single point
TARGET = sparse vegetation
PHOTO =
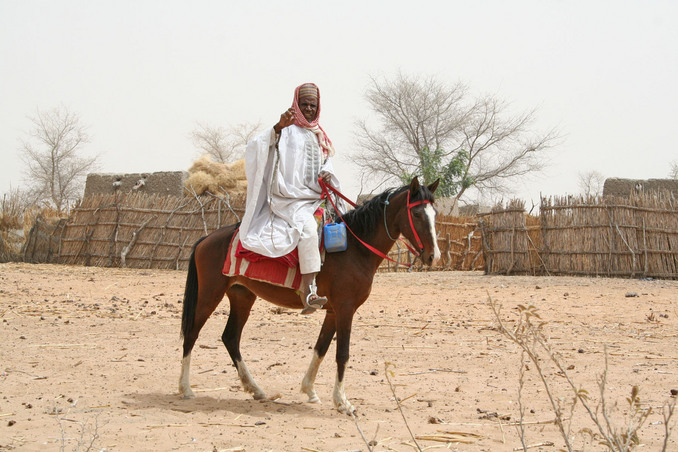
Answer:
(17, 217)
(105, 336)
(86, 435)
(616, 429)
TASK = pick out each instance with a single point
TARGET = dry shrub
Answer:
(17, 220)
(8, 249)
(206, 175)
(607, 425)
(11, 223)
(12, 210)
(47, 215)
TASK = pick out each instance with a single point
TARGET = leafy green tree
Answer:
(450, 171)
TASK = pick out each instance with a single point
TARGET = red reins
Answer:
(326, 194)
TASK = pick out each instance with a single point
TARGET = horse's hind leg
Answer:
(241, 300)
(319, 352)
(207, 303)
(200, 301)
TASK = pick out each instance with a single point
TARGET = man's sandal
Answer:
(313, 302)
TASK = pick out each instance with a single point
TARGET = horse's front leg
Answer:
(319, 352)
(343, 322)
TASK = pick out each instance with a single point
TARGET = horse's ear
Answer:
(414, 185)
(432, 187)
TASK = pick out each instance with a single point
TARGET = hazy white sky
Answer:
(142, 73)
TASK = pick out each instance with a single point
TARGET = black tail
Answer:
(190, 294)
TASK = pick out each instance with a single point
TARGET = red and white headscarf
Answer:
(310, 89)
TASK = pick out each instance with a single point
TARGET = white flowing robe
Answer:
(282, 189)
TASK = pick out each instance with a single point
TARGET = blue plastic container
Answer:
(334, 236)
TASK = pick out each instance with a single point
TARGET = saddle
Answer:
(280, 271)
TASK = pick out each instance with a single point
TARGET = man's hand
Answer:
(326, 176)
(286, 120)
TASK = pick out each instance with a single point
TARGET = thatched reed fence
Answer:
(142, 231)
(617, 237)
(459, 240)
(511, 240)
(622, 237)
(42, 243)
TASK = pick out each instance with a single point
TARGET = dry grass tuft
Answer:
(206, 175)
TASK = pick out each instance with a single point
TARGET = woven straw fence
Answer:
(617, 237)
(510, 240)
(142, 231)
(42, 242)
(623, 237)
(459, 240)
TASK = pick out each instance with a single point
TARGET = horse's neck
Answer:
(393, 214)
(389, 225)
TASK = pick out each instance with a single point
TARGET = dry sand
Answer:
(90, 359)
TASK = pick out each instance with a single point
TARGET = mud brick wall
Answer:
(165, 183)
(624, 187)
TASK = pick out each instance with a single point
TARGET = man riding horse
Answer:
(282, 166)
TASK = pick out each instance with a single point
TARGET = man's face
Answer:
(309, 107)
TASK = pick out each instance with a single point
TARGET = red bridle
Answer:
(326, 194)
(409, 215)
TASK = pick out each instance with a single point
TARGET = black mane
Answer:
(363, 220)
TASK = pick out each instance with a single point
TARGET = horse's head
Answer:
(418, 224)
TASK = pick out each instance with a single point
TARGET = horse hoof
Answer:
(188, 396)
(259, 396)
(313, 399)
(346, 409)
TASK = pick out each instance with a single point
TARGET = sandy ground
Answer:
(90, 359)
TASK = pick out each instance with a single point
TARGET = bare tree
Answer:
(221, 144)
(429, 128)
(673, 173)
(591, 183)
(56, 170)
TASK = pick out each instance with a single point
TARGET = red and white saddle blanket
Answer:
(282, 271)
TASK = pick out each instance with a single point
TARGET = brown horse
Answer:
(345, 279)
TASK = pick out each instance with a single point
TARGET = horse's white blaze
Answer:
(248, 382)
(184, 384)
(307, 384)
(431, 215)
